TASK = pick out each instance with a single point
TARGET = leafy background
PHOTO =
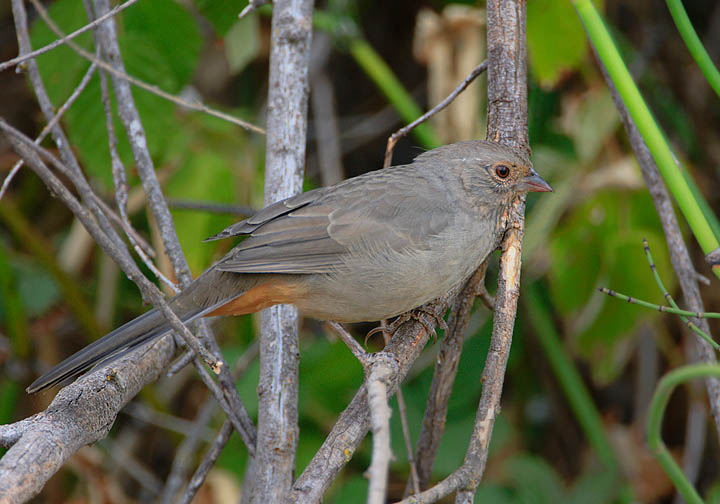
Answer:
(57, 291)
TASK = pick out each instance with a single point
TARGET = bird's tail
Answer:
(147, 327)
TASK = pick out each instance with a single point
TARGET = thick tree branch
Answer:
(274, 465)
(507, 124)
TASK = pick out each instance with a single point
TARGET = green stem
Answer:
(568, 377)
(692, 41)
(665, 309)
(651, 133)
(670, 299)
(654, 424)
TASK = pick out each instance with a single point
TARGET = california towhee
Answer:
(366, 249)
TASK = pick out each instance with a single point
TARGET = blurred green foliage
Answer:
(587, 234)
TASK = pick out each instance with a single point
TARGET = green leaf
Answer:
(61, 69)
(172, 32)
(222, 15)
(204, 177)
(242, 43)
(556, 40)
(37, 288)
(601, 244)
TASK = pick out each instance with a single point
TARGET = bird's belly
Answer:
(390, 285)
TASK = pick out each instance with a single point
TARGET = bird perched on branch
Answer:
(369, 248)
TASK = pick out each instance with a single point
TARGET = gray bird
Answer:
(366, 249)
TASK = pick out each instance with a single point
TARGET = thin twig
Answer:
(186, 450)
(208, 462)
(29, 151)
(357, 350)
(217, 208)
(660, 308)
(37, 52)
(121, 185)
(123, 457)
(251, 7)
(393, 140)
(150, 88)
(402, 409)
(141, 412)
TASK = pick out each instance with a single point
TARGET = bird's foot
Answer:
(420, 314)
(389, 329)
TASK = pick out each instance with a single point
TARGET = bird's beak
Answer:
(534, 183)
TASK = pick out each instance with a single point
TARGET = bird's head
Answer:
(489, 169)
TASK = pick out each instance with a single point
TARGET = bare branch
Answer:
(251, 7)
(81, 413)
(357, 350)
(208, 462)
(55, 119)
(380, 372)
(200, 107)
(393, 140)
(274, 465)
(507, 124)
(37, 52)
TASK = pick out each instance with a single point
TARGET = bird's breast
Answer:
(376, 283)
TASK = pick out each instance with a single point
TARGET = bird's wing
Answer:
(315, 231)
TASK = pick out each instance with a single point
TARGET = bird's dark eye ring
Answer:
(502, 171)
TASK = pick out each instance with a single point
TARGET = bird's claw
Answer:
(419, 314)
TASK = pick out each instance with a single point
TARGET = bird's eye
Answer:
(502, 171)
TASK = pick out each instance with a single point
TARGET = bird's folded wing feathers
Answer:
(314, 232)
